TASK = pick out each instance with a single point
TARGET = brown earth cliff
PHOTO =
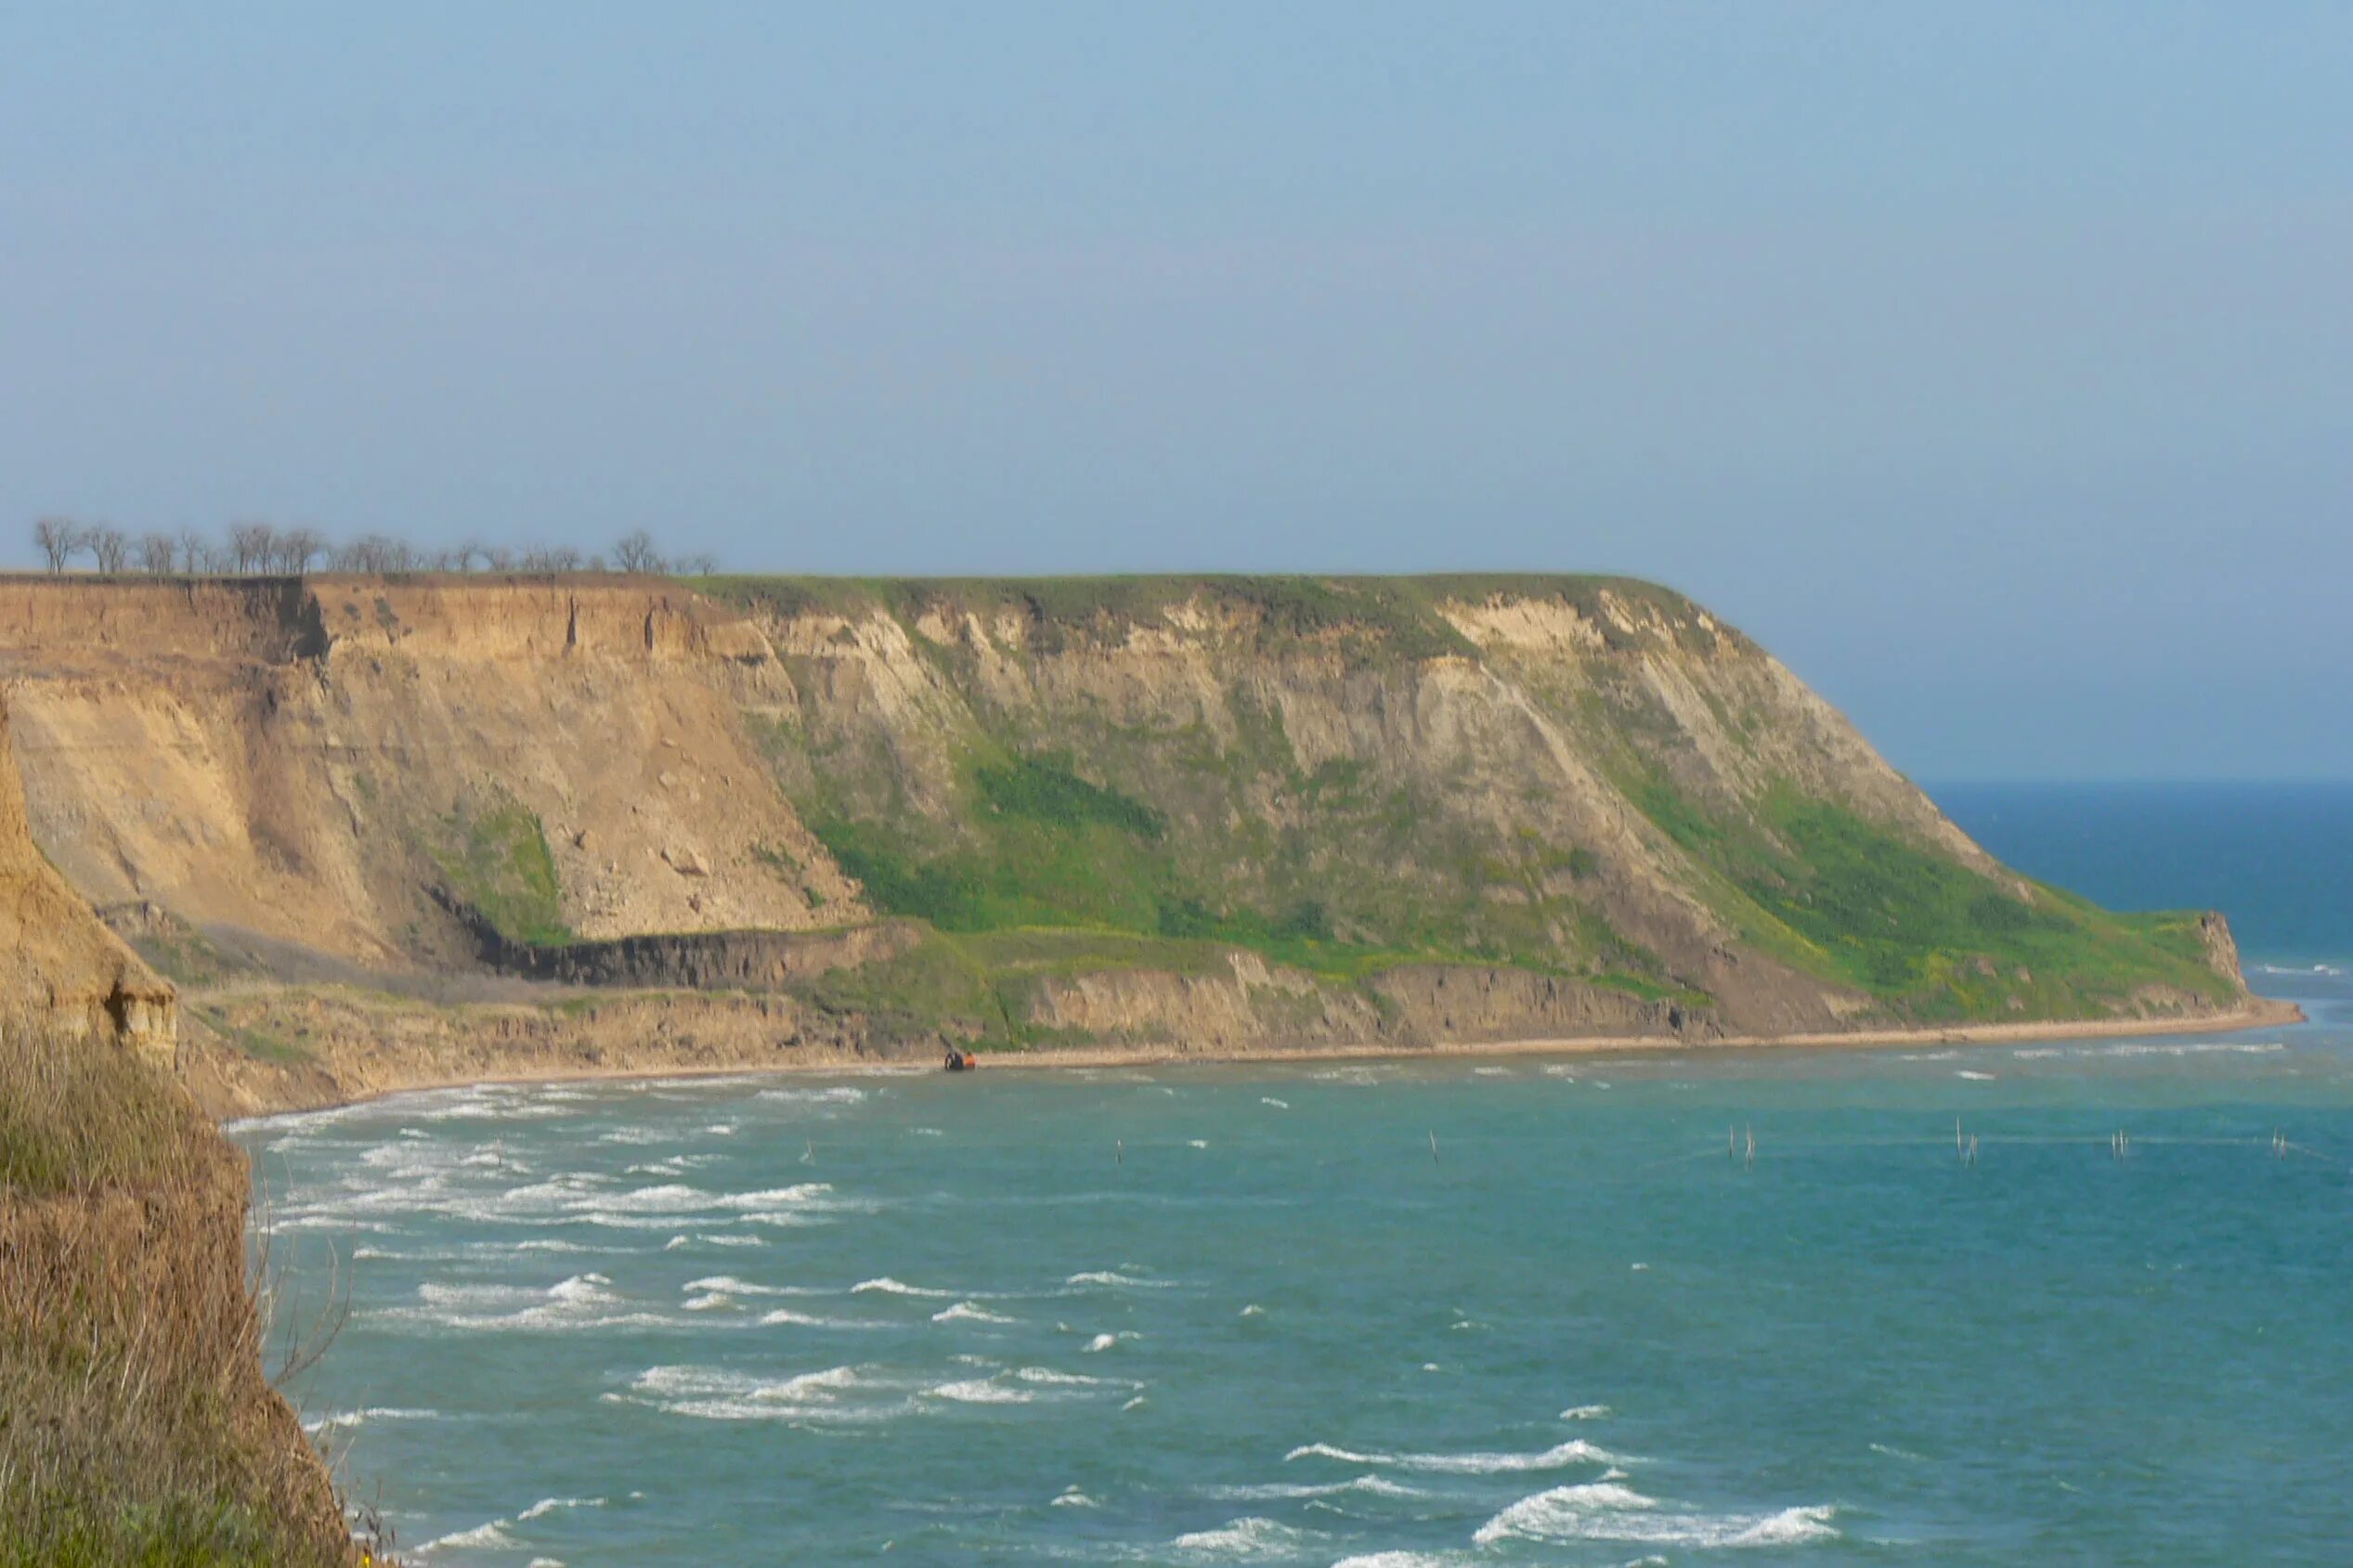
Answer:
(826, 816)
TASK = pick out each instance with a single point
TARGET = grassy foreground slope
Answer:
(1584, 778)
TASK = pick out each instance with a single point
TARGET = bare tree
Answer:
(156, 554)
(694, 566)
(297, 548)
(250, 546)
(111, 548)
(468, 555)
(498, 558)
(635, 552)
(196, 553)
(551, 558)
(57, 538)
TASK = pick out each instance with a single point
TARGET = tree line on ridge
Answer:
(263, 549)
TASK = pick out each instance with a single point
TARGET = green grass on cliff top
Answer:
(1396, 614)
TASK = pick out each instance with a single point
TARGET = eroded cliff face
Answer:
(61, 971)
(1443, 808)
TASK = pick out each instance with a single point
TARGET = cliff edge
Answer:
(1230, 813)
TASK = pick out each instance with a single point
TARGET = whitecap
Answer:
(714, 1393)
(1101, 1342)
(372, 1413)
(889, 1287)
(839, 1094)
(492, 1534)
(787, 1317)
(1576, 1451)
(1114, 1279)
(1973, 1077)
(549, 1505)
(968, 1312)
(982, 1391)
(1071, 1496)
(1270, 1100)
(1245, 1540)
(1287, 1490)
(1609, 1510)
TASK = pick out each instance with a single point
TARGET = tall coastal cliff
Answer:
(863, 817)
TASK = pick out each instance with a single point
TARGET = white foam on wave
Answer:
(1406, 1560)
(1270, 1100)
(581, 1302)
(787, 1317)
(970, 1312)
(718, 1393)
(675, 1242)
(1116, 1280)
(1576, 1451)
(1610, 1510)
(734, 1287)
(983, 1391)
(839, 1095)
(1071, 1496)
(1586, 1413)
(546, 1505)
(372, 1413)
(1973, 1077)
(1245, 1540)
(492, 1534)
(889, 1287)
(1102, 1342)
(1285, 1491)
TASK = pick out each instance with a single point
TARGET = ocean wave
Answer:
(546, 1505)
(1287, 1491)
(1071, 1496)
(1586, 1413)
(1270, 1100)
(1245, 1540)
(889, 1287)
(839, 1095)
(492, 1534)
(968, 1312)
(372, 1413)
(581, 1302)
(734, 1287)
(1609, 1510)
(1576, 1451)
(982, 1391)
(1116, 1280)
(1102, 1342)
(787, 1317)
(718, 1393)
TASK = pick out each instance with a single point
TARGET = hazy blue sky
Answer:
(1992, 363)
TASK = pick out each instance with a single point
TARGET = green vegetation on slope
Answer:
(496, 860)
(1859, 905)
(1096, 784)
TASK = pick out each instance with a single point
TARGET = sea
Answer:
(2038, 1303)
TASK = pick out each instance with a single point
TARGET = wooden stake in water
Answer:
(1434, 1147)
(1119, 1151)
(1752, 1147)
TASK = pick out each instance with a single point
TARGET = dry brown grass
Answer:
(136, 1423)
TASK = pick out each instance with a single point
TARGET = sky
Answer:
(1992, 364)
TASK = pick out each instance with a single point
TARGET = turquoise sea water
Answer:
(1518, 1310)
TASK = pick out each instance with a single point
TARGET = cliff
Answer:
(135, 1420)
(1250, 811)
